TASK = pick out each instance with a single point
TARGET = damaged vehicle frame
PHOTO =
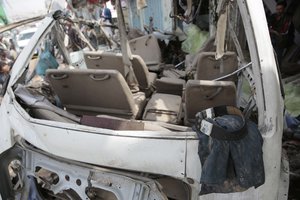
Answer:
(44, 159)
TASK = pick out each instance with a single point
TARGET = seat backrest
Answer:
(109, 60)
(147, 47)
(141, 72)
(203, 94)
(93, 92)
(208, 68)
(104, 60)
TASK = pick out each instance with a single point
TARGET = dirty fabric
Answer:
(127, 55)
(221, 34)
(231, 165)
(46, 60)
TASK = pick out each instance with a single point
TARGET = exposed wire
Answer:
(233, 73)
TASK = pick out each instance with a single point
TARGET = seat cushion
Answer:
(164, 108)
(167, 85)
(174, 73)
(154, 67)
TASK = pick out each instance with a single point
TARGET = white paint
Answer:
(174, 155)
(109, 148)
(269, 100)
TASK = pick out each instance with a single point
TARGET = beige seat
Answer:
(109, 60)
(145, 78)
(164, 108)
(203, 94)
(174, 73)
(104, 60)
(167, 85)
(147, 47)
(191, 61)
(208, 68)
(93, 92)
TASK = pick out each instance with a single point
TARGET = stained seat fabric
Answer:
(203, 94)
(114, 61)
(93, 92)
(145, 78)
(104, 60)
(164, 108)
(148, 48)
(208, 68)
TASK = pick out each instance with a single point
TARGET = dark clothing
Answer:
(75, 41)
(281, 32)
(4, 75)
(106, 14)
(231, 165)
(46, 61)
(280, 24)
(3, 78)
(91, 35)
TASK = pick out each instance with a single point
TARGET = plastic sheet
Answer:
(195, 39)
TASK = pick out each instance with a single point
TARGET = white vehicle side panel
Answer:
(108, 148)
(5, 140)
(269, 100)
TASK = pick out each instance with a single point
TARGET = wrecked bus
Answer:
(118, 127)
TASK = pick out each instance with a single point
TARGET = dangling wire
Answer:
(183, 18)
